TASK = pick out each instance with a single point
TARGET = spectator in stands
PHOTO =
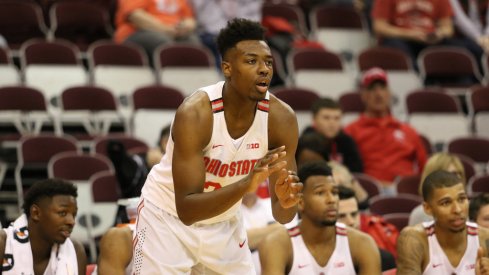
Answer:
(438, 161)
(155, 154)
(259, 222)
(388, 147)
(38, 242)
(479, 210)
(338, 146)
(385, 238)
(472, 29)
(412, 25)
(152, 23)
(213, 15)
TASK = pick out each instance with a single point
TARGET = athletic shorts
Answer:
(164, 245)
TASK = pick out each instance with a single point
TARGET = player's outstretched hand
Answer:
(482, 263)
(288, 188)
(272, 162)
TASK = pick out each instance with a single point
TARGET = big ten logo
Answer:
(252, 145)
(211, 186)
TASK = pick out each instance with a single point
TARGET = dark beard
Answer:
(327, 223)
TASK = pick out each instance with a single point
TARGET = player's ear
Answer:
(35, 212)
(226, 69)
(427, 209)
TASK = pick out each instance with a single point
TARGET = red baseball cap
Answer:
(372, 75)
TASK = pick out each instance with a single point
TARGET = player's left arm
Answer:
(285, 187)
(80, 256)
(364, 252)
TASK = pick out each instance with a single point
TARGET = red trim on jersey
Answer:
(217, 105)
(135, 239)
(430, 230)
(263, 105)
(340, 231)
(294, 231)
(472, 230)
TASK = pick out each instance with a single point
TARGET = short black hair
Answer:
(438, 179)
(164, 132)
(313, 141)
(345, 193)
(314, 168)
(324, 103)
(476, 204)
(237, 30)
(47, 189)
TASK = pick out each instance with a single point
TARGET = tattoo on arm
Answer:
(410, 252)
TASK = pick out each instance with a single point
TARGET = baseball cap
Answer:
(372, 75)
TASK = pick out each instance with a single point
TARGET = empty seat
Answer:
(33, 155)
(408, 184)
(93, 108)
(80, 22)
(185, 67)
(120, 68)
(401, 203)
(436, 115)
(448, 67)
(340, 29)
(301, 101)
(21, 21)
(476, 148)
(319, 70)
(52, 66)
(154, 109)
(25, 109)
(478, 184)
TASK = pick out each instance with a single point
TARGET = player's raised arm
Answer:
(285, 186)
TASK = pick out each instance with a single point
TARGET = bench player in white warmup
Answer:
(449, 244)
(319, 244)
(189, 219)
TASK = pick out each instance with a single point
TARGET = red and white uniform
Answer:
(226, 161)
(439, 263)
(304, 263)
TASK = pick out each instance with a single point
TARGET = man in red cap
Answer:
(388, 147)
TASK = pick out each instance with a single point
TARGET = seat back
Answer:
(401, 203)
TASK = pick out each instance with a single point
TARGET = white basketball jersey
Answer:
(225, 164)
(439, 263)
(340, 262)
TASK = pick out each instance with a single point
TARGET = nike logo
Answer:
(215, 146)
(302, 265)
(241, 244)
(436, 265)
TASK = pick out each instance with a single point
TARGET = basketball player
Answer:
(319, 244)
(449, 244)
(219, 150)
(38, 242)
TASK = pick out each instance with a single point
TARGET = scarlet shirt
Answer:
(169, 12)
(412, 14)
(388, 147)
